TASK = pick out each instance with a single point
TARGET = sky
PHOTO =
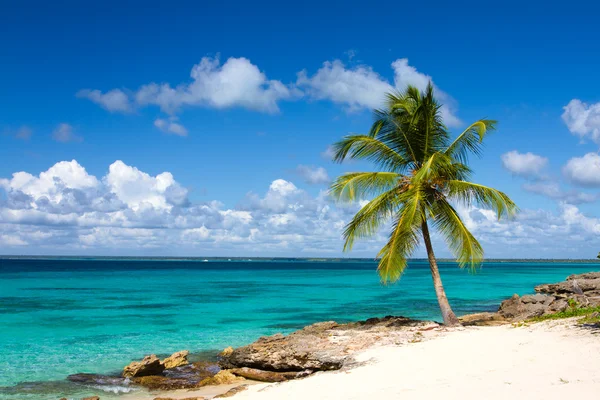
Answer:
(195, 129)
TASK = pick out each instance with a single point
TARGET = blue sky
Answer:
(238, 104)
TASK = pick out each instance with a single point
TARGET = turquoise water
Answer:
(61, 317)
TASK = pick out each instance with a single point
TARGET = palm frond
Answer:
(372, 216)
(468, 193)
(404, 238)
(460, 240)
(470, 140)
(365, 147)
(362, 185)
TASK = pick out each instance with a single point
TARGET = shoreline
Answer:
(329, 346)
(549, 360)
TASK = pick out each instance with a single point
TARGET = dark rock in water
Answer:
(196, 371)
(321, 346)
(268, 376)
(149, 365)
(91, 398)
(97, 380)
(232, 392)
(156, 382)
(183, 377)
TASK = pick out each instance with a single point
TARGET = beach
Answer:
(161, 307)
(547, 360)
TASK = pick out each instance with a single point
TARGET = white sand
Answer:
(543, 361)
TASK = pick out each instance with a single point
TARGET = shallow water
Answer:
(63, 316)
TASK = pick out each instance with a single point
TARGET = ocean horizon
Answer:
(66, 315)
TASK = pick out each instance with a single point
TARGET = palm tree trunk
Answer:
(447, 313)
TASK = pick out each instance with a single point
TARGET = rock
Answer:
(194, 372)
(268, 376)
(483, 319)
(97, 380)
(150, 365)
(589, 275)
(156, 382)
(577, 284)
(224, 377)
(226, 352)
(521, 308)
(91, 398)
(63, 398)
(322, 346)
(232, 391)
(558, 305)
(176, 359)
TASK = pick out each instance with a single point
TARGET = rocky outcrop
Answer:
(150, 365)
(322, 346)
(581, 290)
(482, 319)
(223, 377)
(176, 359)
(157, 382)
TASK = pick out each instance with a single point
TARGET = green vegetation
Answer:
(591, 315)
(423, 174)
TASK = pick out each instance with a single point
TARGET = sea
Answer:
(60, 315)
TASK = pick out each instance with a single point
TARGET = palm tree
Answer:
(423, 174)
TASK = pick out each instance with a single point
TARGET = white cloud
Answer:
(582, 119)
(584, 171)
(66, 210)
(358, 88)
(240, 83)
(524, 164)
(114, 100)
(554, 191)
(170, 126)
(65, 133)
(236, 83)
(140, 190)
(313, 175)
(361, 87)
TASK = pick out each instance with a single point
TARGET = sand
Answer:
(550, 360)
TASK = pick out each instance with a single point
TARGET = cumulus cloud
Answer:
(584, 171)
(114, 100)
(583, 119)
(527, 165)
(361, 87)
(170, 126)
(313, 175)
(236, 83)
(240, 83)
(66, 210)
(65, 133)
